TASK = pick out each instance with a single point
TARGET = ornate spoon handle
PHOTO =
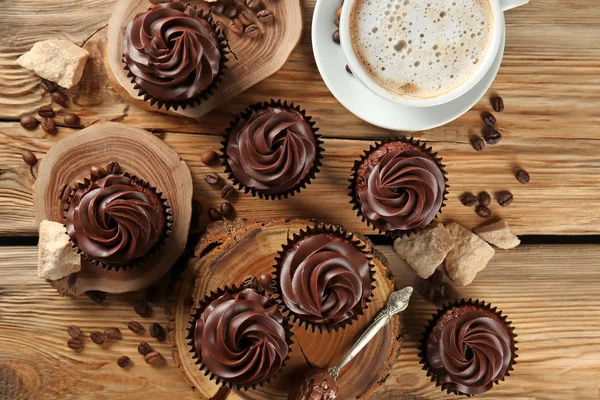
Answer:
(397, 302)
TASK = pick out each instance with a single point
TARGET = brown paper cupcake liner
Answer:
(352, 187)
(202, 304)
(319, 228)
(431, 325)
(141, 260)
(206, 93)
(245, 115)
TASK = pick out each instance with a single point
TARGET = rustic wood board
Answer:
(550, 294)
(250, 61)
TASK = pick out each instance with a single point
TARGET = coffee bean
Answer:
(212, 178)
(143, 309)
(227, 210)
(337, 22)
(48, 126)
(45, 111)
(252, 31)
(492, 136)
(423, 286)
(63, 192)
(522, 176)
(29, 157)
(227, 191)
(97, 337)
(214, 215)
(144, 348)
(48, 86)
(72, 120)
(196, 215)
(497, 104)
(265, 16)
(485, 199)
(217, 8)
(434, 294)
(336, 36)
(478, 144)
(468, 199)
(97, 173)
(95, 295)
(265, 281)
(245, 18)
(75, 344)
(29, 122)
(444, 291)
(338, 12)
(208, 157)
(135, 327)
(74, 331)
(505, 198)
(60, 98)
(113, 168)
(250, 282)
(153, 358)
(124, 362)
(253, 3)
(113, 333)
(348, 70)
(483, 211)
(488, 119)
(437, 277)
(157, 331)
(235, 26)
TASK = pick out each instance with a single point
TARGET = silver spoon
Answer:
(397, 302)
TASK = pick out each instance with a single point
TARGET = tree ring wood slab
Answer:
(227, 253)
(251, 61)
(139, 153)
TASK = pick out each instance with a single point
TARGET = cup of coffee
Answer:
(422, 53)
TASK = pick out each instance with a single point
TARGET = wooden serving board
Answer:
(251, 60)
(230, 251)
(138, 153)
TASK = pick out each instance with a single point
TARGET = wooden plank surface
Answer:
(550, 294)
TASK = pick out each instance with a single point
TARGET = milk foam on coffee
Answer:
(421, 48)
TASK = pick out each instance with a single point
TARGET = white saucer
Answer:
(365, 104)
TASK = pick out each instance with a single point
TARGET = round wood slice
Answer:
(251, 61)
(139, 153)
(228, 252)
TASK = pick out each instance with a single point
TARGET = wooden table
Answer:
(551, 85)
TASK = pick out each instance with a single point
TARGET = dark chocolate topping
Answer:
(324, 278)
(472, 351)
(400, 188)
(172, 52)
(240, 338)
(272, 151)
(114, 220)
(318, 384)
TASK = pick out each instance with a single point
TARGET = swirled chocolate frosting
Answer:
(114, 220)
(470, 352)
(272, 151)
(400, 187)
(324, 278)
(240, 338)
(318, 384)
(173, 54)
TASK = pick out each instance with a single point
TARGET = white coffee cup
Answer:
(497, 6)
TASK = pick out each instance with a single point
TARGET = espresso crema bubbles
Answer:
(421, 48)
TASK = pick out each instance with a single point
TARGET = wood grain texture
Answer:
(250, 61)
(138, 153)
(231, 251)
(561, 198)
(550, 294)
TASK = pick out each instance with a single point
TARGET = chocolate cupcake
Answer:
(272, 150)
(324, 278)
(116, 219)
(174, 54)
(398, 186)
(467, 347)
(239, 337)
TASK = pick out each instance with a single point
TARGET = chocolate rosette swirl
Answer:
(468, 347)
(272, 150)
(398, 186)
(240, 337)
(116, 220)
(174, 54)
(324, 278)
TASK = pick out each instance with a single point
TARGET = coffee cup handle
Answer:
(508, 4)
